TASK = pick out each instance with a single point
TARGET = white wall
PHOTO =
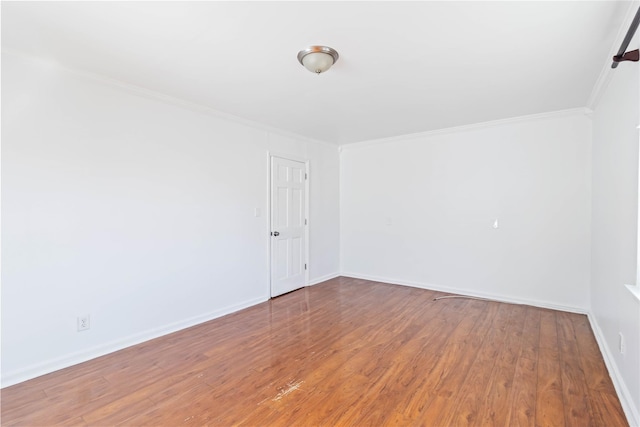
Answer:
(419, 210)
(614, 230)
(135, 211)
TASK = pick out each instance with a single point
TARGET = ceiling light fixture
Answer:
(318, 59)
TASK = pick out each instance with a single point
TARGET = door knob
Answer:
(275, 233)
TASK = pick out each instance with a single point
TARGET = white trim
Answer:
(167, 99)
(607, 72)
(287, 156)
(467, 292)
(322, 279)
(630, 410)
(635, 290)
(599, 88)
(269, 154)
(269, 223)
(307, 224)
(75, 358)
(471, 127)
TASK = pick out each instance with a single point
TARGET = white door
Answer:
(287, 225)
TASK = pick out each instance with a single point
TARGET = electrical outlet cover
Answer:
(83, 322)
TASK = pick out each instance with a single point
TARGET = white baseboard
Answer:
(473, 293)
(71, 359)
(630, 409)
(323, 279)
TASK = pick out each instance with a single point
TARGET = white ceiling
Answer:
(404, 67)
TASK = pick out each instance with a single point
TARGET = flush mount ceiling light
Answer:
(318, 59)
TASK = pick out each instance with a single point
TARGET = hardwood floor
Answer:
(345, 352)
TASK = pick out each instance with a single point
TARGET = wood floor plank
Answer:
(118, 411)
(345, 352)
(591, 358)
(192, 407)
(549, 401)
(435, 367)
(598, 382)
(607, 407)
(473, 391)
(18, 401)
(495, 410)
(498, 395)
(578, 411)
(522, 411)
(464, 356)
(531, 337)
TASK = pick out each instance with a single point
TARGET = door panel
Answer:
(288, 214)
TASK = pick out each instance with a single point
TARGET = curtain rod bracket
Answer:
(632, 55)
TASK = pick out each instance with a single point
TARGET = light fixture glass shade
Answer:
(317, 59)
(317, 62)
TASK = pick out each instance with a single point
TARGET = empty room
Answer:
(321, 213)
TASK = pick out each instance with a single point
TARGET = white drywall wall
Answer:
(614, 229)
(420, 210)
(135, 211)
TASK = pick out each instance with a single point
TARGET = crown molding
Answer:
(582, 111)
(161, 97)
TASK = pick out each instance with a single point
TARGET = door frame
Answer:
(270, 155)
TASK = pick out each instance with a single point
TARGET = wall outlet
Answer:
(84, 322)
(621, 345)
